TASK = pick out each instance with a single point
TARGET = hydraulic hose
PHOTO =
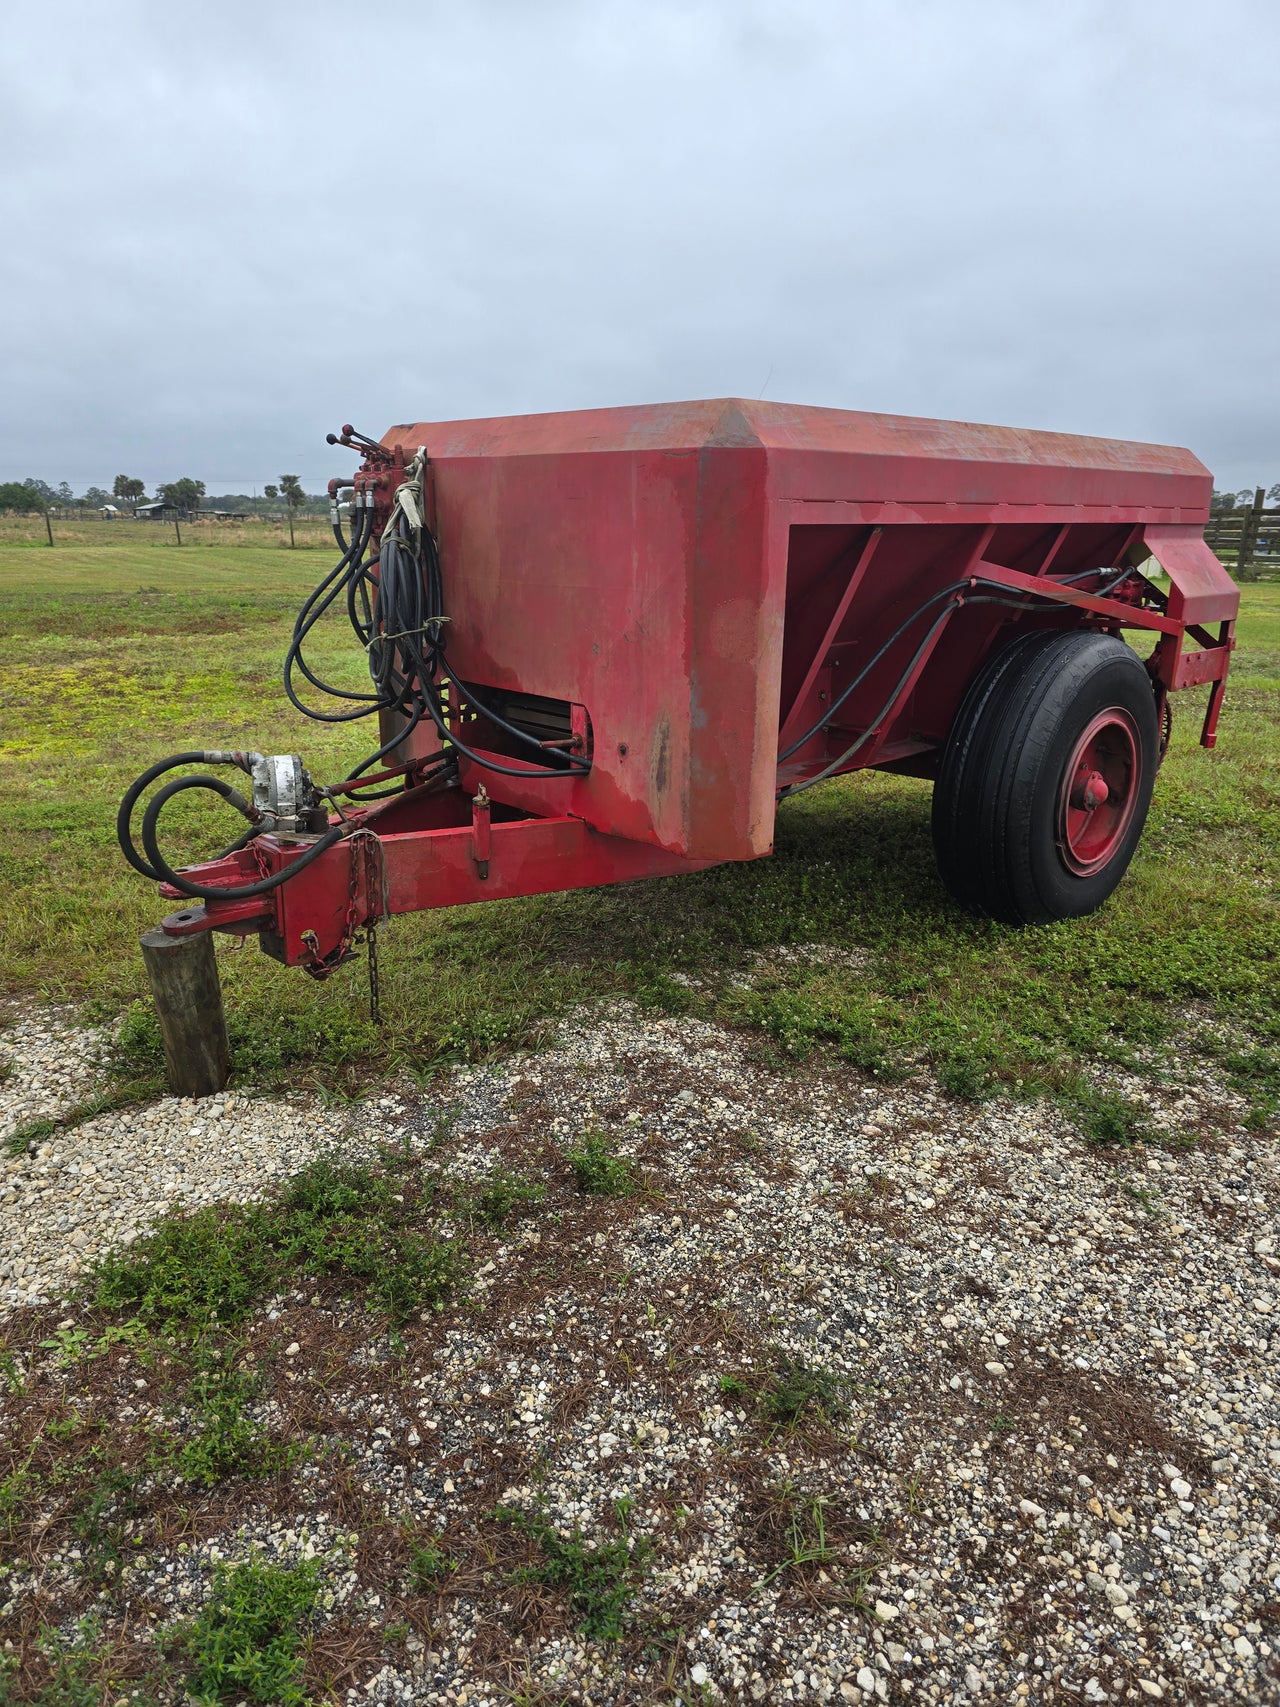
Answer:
(865, 671)
(955, 593)
(124, 817)
(206, 892)
(395, 605)
(943, 617)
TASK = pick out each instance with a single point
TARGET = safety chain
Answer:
(375, 985)
(367, 854)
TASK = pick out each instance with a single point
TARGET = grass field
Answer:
(117, 647)
(311, 532)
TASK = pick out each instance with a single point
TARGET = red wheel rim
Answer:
(1099, 791)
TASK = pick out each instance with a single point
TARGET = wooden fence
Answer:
(1247, 540)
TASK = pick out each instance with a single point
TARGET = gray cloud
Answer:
(229, 228)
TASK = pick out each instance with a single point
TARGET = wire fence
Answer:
(1246, 539)
(310, 531)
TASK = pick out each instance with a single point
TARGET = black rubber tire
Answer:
(996, 800)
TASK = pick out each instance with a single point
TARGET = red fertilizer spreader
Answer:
(605, 645)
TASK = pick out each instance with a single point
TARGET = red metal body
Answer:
(691, 584)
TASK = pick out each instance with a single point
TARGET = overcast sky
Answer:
(228, 228)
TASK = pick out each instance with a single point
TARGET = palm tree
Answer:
(294, 497)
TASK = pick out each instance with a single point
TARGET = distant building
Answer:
(162, 512)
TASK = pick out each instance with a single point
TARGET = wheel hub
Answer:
(1099, 792)
(1093, 792)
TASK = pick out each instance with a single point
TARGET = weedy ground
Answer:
(637, 1364)
(117, 647)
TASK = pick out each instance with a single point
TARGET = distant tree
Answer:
(294, 497)
(21, 497)
(95, 497)
(65, 494)
(129, 491)
(46, 493)
(184, 495)
(1274, 492)
(272, 492)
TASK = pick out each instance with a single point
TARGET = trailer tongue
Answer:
(604, 645)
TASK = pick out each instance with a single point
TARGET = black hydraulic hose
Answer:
(240, 842)
(874, 725)
(1114, 573)
(124, 817)
(336, 486)
(205, 892)
(339, 536)
(944, 593)
(215, 784)
(233, 797)
(340, 578)
(943, 617)
(419, 711)
(395, 604)
(870, 665)
(473, 699)
(403, 578)
(358, 586)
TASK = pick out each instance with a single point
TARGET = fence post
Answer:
(1249, 536)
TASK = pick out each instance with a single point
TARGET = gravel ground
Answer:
(97, 1183)
(1040, 1462)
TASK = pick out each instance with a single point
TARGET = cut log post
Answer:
(183, 972)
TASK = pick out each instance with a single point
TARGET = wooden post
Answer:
(183, 973)
(176, 528)
(1249, 530)
(48, 525)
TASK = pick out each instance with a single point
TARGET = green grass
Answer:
(504, 1195)
(113, 654)
(598, 1579)
(1106, 1117)
(797, 1391)
(806, 1537)
(221, 1439)
(247, 1642)
(35, 1132)
(27, 1136)
(347, 1222)
(429, 1565)
(75, 1672)
(597, 1170)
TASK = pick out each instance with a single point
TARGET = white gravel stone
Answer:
(92, 1187)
